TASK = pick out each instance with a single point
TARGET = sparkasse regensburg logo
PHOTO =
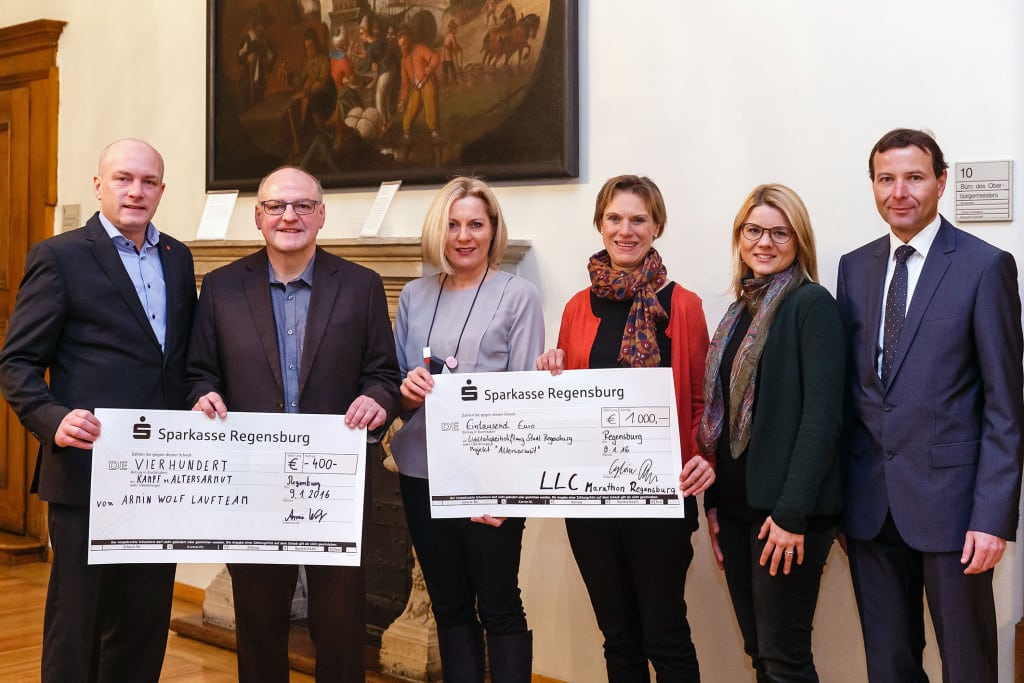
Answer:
(141, 430)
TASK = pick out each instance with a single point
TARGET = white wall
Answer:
(707, 98)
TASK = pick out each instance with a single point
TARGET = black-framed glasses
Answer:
(779, 234)
(302, 207)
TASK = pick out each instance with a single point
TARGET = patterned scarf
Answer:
(639, 339)
(762, 297)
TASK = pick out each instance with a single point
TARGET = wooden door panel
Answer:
(14, 174)
(29, 89)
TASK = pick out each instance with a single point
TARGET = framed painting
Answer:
(361, 91)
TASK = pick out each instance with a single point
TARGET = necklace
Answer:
(451, 362)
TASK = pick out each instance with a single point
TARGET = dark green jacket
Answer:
(792, 460)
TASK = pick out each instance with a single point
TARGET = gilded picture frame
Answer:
(362, 91)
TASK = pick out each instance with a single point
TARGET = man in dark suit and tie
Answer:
(932, 444)
(294, 329)
(107, 310)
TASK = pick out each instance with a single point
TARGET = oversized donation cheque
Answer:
(176, 486)
(586, 443)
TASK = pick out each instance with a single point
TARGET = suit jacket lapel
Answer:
(935, 267)
(105, 253)
(875, 282)
(256, 285)
(170, 258)
(323, 297)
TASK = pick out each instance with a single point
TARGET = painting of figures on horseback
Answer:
(362, 91)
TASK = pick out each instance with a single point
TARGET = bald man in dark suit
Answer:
(105, 309)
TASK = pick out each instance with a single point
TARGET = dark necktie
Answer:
(895, 310)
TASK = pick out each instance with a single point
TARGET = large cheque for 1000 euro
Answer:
(585, 443)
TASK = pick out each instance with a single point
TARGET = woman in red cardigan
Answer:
(632, 315)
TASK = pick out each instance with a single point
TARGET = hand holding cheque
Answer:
(415, 387)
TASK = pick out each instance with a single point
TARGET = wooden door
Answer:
(28, 196)
(14, 129)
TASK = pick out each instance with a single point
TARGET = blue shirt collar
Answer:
(306, 276)
(152, 234)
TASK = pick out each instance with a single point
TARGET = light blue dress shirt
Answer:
(146, 272)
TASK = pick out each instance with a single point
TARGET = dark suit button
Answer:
(280, 406)
(887, 407)
(889, 455)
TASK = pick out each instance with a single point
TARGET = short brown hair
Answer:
(899, 138)
(643, 187)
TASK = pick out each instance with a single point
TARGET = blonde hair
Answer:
(435, 225)
(792, 207)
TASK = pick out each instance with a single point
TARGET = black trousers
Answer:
(471, 569)
(104, 623)
(775, 613)
(337, 620)
(635, 573)
(336, 609)
(889, 578)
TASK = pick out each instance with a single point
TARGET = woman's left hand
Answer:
(488, 520)
(781, 547)
(415, 387)
(697, 476)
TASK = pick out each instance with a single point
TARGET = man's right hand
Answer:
(212, 405)
(78, 429)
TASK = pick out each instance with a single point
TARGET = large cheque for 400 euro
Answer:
(176, 486)
(586, 443)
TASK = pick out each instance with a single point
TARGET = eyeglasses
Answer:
(302, 207)
(779, 234)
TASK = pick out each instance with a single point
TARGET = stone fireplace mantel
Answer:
(397, 259)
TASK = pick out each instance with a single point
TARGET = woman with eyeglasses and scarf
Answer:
(773, 397)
